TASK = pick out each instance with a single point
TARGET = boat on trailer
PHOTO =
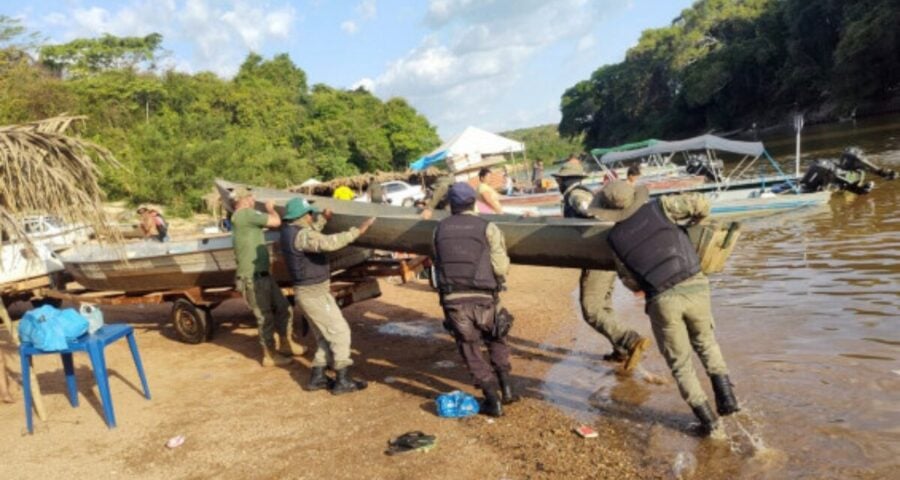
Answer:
(152, 266)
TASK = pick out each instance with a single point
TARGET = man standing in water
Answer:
(271, 309)
(596, 290)
(471, 263)
(655, 256)
(304, 248)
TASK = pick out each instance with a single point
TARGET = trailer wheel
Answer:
(193, 324)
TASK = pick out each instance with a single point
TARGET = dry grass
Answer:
(45, 171)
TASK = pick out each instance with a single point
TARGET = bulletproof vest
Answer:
(305, 268)
(568, 211)
(463, 255)
(656, 250)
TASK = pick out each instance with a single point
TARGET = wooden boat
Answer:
(147, 266)
(556, 242)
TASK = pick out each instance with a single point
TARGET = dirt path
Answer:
(243, 421)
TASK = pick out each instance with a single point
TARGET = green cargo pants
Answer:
(272, 311)
(596, 307)
(682, 320)
(329, 326)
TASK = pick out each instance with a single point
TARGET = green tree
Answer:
(84, 56)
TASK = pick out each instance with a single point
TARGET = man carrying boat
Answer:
(655, 255)
(304, 248)
(596, 286)
(471, 264)
(271, 309)
(438, 200)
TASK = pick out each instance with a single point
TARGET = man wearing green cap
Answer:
(596, 290)
(264, 297)
(654, 255)
(304, 246)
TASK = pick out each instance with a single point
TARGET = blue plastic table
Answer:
(94, 345)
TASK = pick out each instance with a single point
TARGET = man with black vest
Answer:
(596, 290)
(471, 263)
(303, 247)
(655, 255)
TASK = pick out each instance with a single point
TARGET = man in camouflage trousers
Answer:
(596, 290)
(655, 255)
(272, 311)
(304, 247)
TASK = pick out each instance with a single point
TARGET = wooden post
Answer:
(37, 399)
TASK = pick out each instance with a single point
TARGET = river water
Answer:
(808, 317)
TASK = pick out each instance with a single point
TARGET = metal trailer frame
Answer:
(192, 308)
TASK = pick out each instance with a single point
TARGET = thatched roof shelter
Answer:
(361, 182)
(43, 170)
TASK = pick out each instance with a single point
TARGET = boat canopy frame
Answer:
(663, 152)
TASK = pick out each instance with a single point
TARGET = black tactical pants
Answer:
(471, 323)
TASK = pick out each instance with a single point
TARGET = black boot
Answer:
(490, 406)
(344, 383)
(317, 380)
(708, 420)
(508, 395)
(726, 404)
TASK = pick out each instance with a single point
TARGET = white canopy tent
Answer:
(472, 149)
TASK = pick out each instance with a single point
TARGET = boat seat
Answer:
(94, 345)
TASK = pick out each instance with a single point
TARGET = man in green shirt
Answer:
(272, 311)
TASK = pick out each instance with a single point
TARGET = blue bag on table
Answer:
(50, 329)
(456, 404)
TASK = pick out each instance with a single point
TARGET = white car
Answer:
(402, 193)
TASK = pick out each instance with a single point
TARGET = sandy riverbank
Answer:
(243, 421)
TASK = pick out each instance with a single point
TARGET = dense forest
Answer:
(729, 64)
(544, 143)
(174, 132)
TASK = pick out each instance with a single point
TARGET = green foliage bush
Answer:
(174, 132)
(727, 64)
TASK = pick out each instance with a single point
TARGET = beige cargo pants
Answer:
(682, 321)
(595, 295)
(272, 311)
(329, 326)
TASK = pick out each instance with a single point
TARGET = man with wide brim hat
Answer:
(304, 246)
(618, 200)
(254, 281)
(654, 255)
(596, 286)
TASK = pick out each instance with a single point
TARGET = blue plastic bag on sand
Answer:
(456, 404)
(50, 329)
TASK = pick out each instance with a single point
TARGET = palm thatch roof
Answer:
(361, 182)
(45, 171)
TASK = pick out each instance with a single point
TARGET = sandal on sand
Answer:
(411, 441)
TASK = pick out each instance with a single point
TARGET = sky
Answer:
(495, 64)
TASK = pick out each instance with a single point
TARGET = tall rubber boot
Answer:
(345, 383)
(271, 358)
(726, 403)
(317, 380)
(491, 406)
(708, 420)
(508, 395)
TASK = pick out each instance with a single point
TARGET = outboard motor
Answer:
(701, 165)
(847, 173)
